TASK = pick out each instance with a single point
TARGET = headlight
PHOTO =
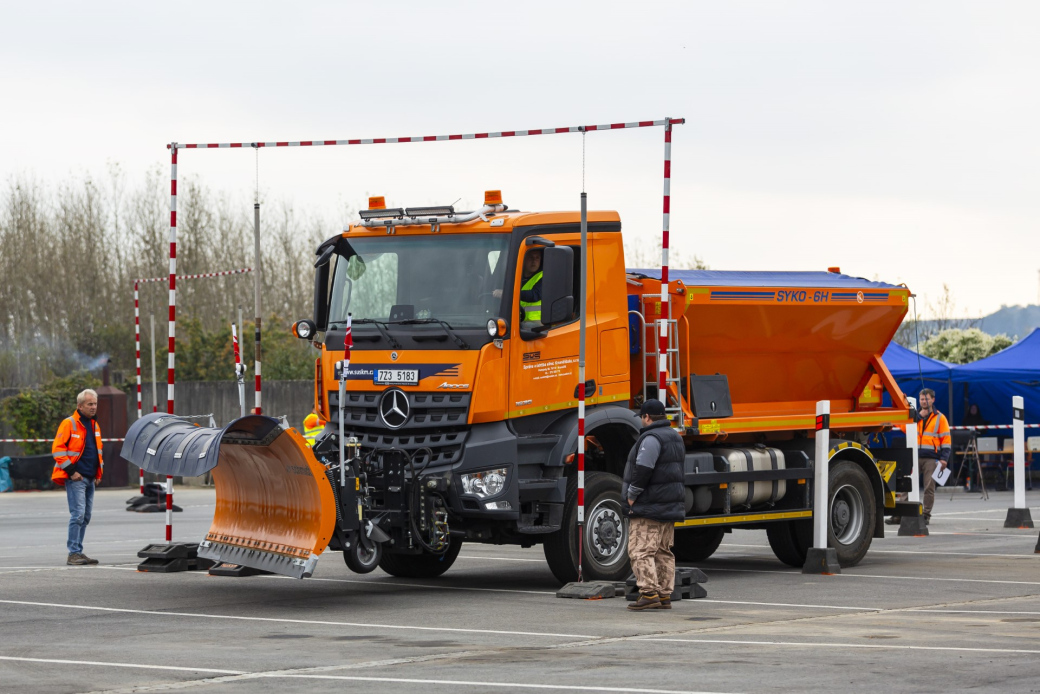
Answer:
(492, 327)
(486, 483)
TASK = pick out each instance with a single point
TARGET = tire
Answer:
(696, 544)
(850, 525)
(361, 561)
(423, 565)
(605, 536)
(790, 541)
(852, 512)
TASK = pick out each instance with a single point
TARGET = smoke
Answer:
(33, 361)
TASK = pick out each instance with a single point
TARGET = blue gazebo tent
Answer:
(914, 371)
(991, 382)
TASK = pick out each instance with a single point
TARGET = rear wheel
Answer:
(604, 537)
(696, 544)
(850, 524)
(852, 513)
(423, 565)
(790, 541)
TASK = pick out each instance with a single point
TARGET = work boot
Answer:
(927, 520)
(894, 520)
(90, 561)
(646, 601)
(77, 559)
(666, 602)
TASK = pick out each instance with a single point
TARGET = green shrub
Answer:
(37, 412)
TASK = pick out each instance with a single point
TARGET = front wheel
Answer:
(424, 565)
(604, 536)
(360, 559)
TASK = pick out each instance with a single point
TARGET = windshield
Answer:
(454, 278)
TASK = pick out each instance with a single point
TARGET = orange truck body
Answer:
(783, 341)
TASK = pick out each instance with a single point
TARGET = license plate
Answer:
(397, 377)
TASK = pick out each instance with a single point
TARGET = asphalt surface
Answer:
(956, 611)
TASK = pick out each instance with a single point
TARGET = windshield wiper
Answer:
(447, 328)
(380, 326)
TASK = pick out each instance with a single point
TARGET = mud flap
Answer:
(275, 510)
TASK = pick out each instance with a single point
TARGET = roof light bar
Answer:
(393, 212)
(433, 211)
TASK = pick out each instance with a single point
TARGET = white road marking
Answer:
(786, 604)
(901, 578)
(811, 644)
(502, 685)
(385, 584)
(58, 661)
(200, 615)
(914, 551)
(536, 561)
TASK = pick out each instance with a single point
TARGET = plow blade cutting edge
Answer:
(275, 508)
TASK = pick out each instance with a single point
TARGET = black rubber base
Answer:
(821, 561)
(1018, 518)
(688, 586)
(153, 508)
(588, 590)
(1037, 550)
(913, 526)
(172, 557)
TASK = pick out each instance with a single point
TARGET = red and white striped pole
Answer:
(662, 379)
(137, 350)
(258, 272)
(173, 324)
(581, 383)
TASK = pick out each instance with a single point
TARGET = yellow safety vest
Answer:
(532, 309)
(311, 435)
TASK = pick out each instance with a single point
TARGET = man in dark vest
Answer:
(653, 488)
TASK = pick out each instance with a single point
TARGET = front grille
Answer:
(436, 421)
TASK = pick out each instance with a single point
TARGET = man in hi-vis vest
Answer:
(78, 467)
(934, 448)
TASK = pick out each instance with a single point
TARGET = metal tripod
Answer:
(971, 454)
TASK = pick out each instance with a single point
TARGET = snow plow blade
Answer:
(275, 508)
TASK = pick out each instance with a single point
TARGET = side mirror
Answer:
(321, 297)
(557, 285)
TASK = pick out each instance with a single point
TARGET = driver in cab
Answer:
(531, 287)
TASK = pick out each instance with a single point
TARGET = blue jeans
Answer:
(80, 494)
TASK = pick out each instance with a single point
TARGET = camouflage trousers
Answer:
(650, 551)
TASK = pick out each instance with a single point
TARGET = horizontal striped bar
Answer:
(198, 277)
(433, 138)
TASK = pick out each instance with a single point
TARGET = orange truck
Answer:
(456, 419)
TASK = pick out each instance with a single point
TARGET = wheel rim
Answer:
(606, 534)
(847, 514)
(364, 556)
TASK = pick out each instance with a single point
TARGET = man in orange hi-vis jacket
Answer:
(78, 467)
(935, 446)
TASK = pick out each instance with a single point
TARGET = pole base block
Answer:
(688, 586)
(821, 561)
(1018, 518)
(589, 590)
(1037, 550)
(913, 526)
(172, 557)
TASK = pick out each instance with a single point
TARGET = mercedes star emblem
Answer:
(393, 356)
(393, 408)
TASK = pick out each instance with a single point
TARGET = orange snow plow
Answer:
(275, 508)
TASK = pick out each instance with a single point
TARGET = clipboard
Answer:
(941, 475)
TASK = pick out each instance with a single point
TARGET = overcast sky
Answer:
(897, 140)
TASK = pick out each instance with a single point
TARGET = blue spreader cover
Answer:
(740, 278)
